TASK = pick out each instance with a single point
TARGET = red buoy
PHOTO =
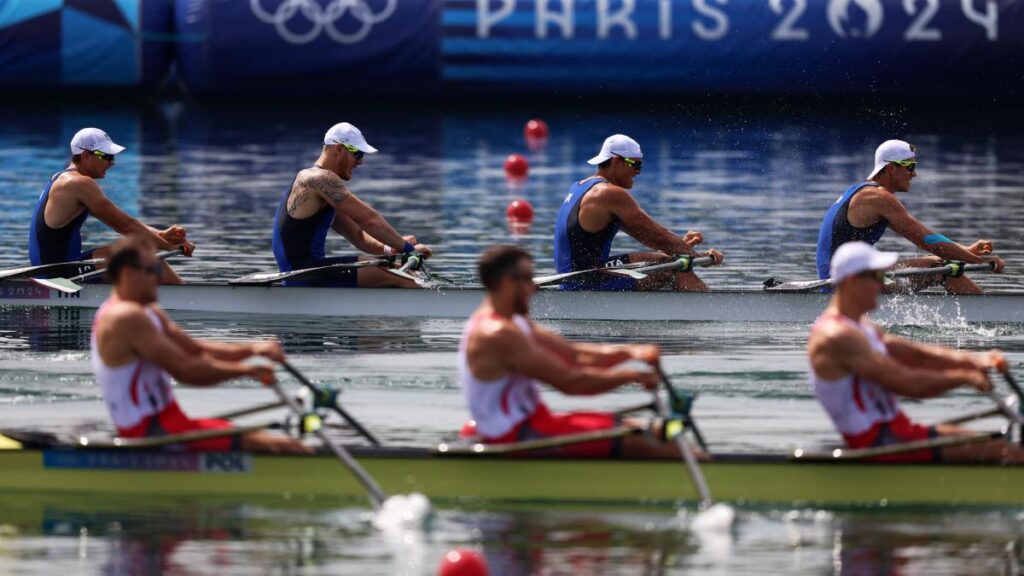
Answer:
(535, 129)
(516, 166)
(462, 562)
(519, 210)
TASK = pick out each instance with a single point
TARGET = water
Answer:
(755, 184)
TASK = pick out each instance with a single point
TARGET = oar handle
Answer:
(696, 476)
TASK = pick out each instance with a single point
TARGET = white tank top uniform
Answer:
(856, 405)
(497, 406)
(135, 392)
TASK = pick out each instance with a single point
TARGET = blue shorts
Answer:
(606, 282)
(345, 278)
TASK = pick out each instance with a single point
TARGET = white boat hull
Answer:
(725, 306)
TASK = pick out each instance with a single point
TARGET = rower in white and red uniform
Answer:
(503, 356)
(858, 371)
(136, 349)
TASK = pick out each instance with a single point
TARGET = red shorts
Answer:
(173, 421)
(543, 424)
(897, 431)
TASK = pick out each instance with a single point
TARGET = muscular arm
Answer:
(638, 224)
(508, 349)
(925, 356)
(189, 368)
(581, 353)
(89, 194)
(837, 350)
(357, 236)
(881, 204)
(333, 190)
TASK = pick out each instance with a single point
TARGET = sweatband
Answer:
(936, 239)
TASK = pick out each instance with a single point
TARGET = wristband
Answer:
(388, 250)
(408, 248)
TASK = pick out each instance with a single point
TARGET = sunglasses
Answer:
(102, 155)
(876, 275)
(634, 164)
(355, 151)
(156, 268)
(910, 165)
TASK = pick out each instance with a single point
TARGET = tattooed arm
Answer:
(332, 189)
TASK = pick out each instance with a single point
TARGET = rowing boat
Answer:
(552, 304)
(479, 480)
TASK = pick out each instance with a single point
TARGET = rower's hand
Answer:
(981, 247)
(977, 379)
(187, 248)
(174, 235)
(649, 380)
(991, 360)
(410, 239)
(693, 237)
(717, 256)
(999, 264)
(647, 353)
(263, 373)
(424, 249)
(271, 349)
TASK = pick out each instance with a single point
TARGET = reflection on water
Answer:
(42, 533)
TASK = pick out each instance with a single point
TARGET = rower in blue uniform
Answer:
(867, 209)
(594, 211)
(318, 201)
(72, 194)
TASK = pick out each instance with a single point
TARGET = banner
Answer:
(52, 43)
(309, 47)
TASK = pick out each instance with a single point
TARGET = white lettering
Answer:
(563, 20)
(721, 27)
(485, 20)
(919, 31)
(785, 30)
(622, 18)
(989, 20)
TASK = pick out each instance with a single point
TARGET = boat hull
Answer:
(725, 306)
(470, 481)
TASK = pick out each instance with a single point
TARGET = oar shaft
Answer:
(373, 490)
(696, 476)
(341, 411)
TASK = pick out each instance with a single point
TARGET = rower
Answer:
(503, 355)
(594, 210)
(136, 349)
(73, 194)
(319, 199)
(858, 371)
(867, 209)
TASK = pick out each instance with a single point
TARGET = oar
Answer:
(268, 278)
(71, 286)
(373, 490)
(950, 268)
(55, 269)
(637, 270)
(328, 399)
(413, 262)
(696, 476)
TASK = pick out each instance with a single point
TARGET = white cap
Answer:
(853, 258)
(891, 150)
(345, 133)
(92, 140)
(617, 145)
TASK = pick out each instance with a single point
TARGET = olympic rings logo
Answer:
(323, 19)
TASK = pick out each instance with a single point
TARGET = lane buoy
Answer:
(463, 562)
(536, 134)
(516, 166)
(519, 210)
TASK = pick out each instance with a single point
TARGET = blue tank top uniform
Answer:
(53, 245)
(836, 230)
(578, 249)
(301, 243)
